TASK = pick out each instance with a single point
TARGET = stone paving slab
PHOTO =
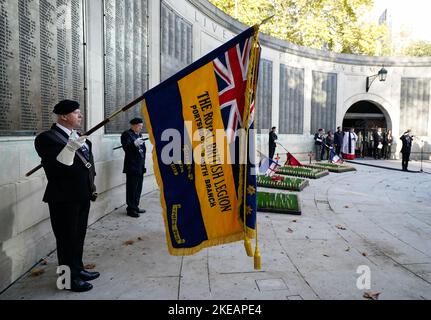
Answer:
(372, 217)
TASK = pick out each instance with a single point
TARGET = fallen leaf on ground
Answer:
(140, 238)
(294, 220)
(339, 226)
(348, 249)
(37, 272)
(371, 295)
(364, 254)
(346, 207)
(129, 242)
(289, 230)
(90, 266)
(325, 255)
(306, 237)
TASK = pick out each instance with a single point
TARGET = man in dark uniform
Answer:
(407, 140)
(272, 145)
(378, 143)
(134, 165)
(69, 167)
(338, 140)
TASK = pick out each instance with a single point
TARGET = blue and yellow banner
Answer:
(204, 169)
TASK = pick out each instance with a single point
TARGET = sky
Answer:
(415, 14)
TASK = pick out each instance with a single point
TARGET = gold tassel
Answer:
(248, 248)
(257, 260)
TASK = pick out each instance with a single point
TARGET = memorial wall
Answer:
(126, 58)
(41, 61)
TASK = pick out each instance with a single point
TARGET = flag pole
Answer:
(249, 95)
(266, 19)
(98, 126)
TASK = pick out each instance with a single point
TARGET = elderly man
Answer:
(69, 167)
(134, 165)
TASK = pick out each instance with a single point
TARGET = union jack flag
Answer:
(231, 69)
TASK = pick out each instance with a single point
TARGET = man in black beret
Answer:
(272, 144)
(134, 165)
(69, 167)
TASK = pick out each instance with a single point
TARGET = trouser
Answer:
(133, 191)
(338, 149)
(405, 161)
(377, 153)
(323, 152)
(69, 222)
(271, 152)
(318, 152)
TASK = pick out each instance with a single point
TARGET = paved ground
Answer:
(387, 219)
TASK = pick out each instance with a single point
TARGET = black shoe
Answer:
(88, 275)
(133, 214)
(141, 211)
(78, 285)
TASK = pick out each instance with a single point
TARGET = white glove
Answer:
(68, 153)
(138, 142)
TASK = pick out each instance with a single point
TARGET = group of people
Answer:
(377, 144)
(350, 145)
(340, 141)
(68, 162)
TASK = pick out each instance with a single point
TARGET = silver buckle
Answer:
(88, 165)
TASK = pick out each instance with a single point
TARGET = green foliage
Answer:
(310, 173)
(279, 182)
(278, 202)
(334, 25)
(418, 49)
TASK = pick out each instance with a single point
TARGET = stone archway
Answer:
(383, 105)
(366, 113)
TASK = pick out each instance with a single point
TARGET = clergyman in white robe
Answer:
(349, 144)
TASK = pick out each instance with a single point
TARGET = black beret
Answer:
(136, 121)
(65, 107)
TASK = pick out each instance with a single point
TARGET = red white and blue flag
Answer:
(334, 158)
(231, 69)
(267, 166)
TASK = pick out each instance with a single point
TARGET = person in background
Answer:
(134, 165)
(329, 141)
(360, 145)
(318, 144)
(272, 145)
(407, 140)
(349, 144)
(378, 143)
(338, 140)
(387, 145)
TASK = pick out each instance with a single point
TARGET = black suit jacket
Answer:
(272, 138)
(134, 160)
(65, 183)
(377, 139)
(407, 143)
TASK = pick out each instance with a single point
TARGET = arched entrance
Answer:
(366, 117)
